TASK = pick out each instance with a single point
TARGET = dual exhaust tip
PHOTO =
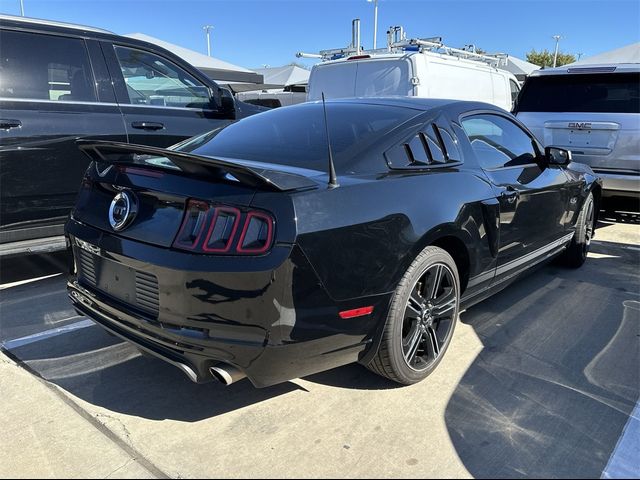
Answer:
(226, 374)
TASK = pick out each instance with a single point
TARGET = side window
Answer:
(45, 67)
(498, 142)
(153, 80)
(515, 90)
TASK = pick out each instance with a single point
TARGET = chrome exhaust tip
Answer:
(226, 374)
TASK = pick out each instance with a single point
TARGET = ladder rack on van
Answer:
(397, 42)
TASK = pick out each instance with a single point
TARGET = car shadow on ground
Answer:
(25, 267)
(95, 366)
(557, 379)
(109, 373)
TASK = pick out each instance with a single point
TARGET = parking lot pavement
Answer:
(540, 381)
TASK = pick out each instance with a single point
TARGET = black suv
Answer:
(61, 82)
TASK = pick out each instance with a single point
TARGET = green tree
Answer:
(544, 58)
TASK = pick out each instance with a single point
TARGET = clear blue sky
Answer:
(251, 33)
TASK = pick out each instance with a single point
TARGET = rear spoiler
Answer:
(117, 153)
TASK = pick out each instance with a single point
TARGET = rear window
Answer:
(366, 78)
(606, 93)
(296, 136)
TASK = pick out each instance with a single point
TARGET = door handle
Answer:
(148, 125)
(510, 194)
(7, 123)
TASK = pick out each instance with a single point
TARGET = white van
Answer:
(594, 111)
(416, 68)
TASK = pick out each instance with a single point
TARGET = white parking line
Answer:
(623, 462)
(30, 280)
(37, 337)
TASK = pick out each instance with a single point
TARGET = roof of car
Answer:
(52, 23)
(416, 103)
(595, 68)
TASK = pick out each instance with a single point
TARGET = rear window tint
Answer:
(606, 93)
(45, 67)
(296, 136)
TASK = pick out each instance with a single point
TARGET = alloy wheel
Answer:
(429, 316)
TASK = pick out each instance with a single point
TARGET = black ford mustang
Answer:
(313, 236)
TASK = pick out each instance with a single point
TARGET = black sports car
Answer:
(317, 235)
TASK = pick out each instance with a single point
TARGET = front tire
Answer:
(577, 251)
(421, 319)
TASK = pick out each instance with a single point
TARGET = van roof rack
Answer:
(397, 42)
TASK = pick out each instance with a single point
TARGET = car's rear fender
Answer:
(361, 237)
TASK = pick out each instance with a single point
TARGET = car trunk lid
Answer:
(161, 186)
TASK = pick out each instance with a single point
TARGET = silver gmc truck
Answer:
(594, 111)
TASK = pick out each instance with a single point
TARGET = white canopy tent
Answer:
(626, 54)
(520, 68)
(214, 68)
(284, 76)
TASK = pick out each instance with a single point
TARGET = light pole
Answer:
(579, 55)
(555, 55)
(375, 22)
(207, 29)
(22, 8)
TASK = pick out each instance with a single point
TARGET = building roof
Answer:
(53, 23)
(214, 67)
(626, 54)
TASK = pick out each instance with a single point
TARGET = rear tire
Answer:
(577, 251)
(421, 319)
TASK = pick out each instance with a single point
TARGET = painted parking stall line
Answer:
(37, 337)
(624, 461)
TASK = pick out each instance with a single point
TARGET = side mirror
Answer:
(223, 101)
(227, 102)
(557, 156)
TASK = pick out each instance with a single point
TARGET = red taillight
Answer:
(214, 229)
(193, 225)
(256, 234)
(222, 230)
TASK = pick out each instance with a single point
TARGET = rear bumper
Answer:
(138, 332)
(274, 323)
(264, 364)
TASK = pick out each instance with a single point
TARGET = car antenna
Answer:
(333, 181)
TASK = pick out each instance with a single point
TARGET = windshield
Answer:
(607, 93)
(296, 136)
